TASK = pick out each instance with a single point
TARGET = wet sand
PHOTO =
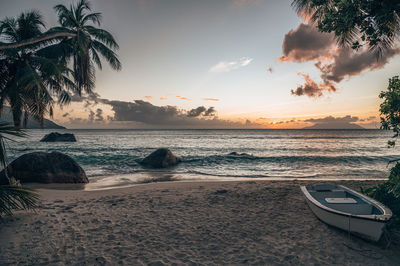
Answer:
(166, 223)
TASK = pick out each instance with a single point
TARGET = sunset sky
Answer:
(222, 64)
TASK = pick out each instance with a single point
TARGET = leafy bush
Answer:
(389, 194)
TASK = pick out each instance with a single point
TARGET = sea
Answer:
(111, 158)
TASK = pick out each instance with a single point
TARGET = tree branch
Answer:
(4, 46)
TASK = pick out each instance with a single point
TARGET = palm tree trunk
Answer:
(17, 115)
(44, 37)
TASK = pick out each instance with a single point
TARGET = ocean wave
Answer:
(361, 174)
(132, 161)
(223, 159)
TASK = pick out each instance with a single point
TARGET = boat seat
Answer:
(353, 208)
(329, 194)
(340, 200)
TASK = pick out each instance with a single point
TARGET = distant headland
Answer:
(6, 116)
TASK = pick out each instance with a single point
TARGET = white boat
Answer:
(347, 209)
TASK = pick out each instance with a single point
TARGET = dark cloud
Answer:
(283, 122)
(305, 43)
(347, 63)
(311, 88)
(152, 116)
(99, 115)
(336, 63)
(368, 119)
(91, 116)
(201, 110)
(96, 116)
(91, 98)
(196, 112)
(76, 120)
(331, 119)
(210, 112)
(140, 113)
(330, 122)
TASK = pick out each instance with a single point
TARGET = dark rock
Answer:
(43, 167)
(55, 136)
(239, 154)
(161, 158)
(221, 191)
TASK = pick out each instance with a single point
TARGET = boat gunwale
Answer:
(385, 217)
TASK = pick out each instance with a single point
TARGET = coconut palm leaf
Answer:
(88, 44)
(7, 129)
(15, 197)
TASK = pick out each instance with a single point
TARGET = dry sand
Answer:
(225, 223)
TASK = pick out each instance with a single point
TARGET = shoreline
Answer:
(242, 222)
(168, 177)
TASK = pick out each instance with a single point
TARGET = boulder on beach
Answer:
(55, 136)
(239, 154)
(44, 167)
(161, 158)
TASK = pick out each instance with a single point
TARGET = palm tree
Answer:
(36, 62)
(356, 23)
(88, 44)
(13, 196)
(30, 78)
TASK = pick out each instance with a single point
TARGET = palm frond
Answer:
(93, 17)
(14, 197)
(103, 36)
(7, 129)
(108, 54)
(96, 59)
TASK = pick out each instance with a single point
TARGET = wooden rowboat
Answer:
(347, 209)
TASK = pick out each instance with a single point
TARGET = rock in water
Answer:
(43, 167)
(55, 136)
(161, 158)
(239, 154)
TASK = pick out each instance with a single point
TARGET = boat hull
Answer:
(353, 212)
(368, 229)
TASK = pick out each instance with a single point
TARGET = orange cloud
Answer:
(311, 88)
(184, 98)
(211, 99)
(162, 98)
(148, 97)
(305, 16)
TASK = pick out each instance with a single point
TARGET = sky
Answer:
(221, 64)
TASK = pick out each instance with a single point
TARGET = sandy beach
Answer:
(184, 223)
